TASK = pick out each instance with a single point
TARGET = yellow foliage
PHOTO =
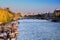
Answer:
(5, 16)
(17, 16)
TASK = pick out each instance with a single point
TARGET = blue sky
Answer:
(31, 5)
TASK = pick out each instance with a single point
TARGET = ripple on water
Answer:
(38, 30)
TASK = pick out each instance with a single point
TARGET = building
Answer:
(57, 13)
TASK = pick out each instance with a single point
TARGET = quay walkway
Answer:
(9, 31)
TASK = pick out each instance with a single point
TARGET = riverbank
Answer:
(9, 30)
(8, 23)
(48, 19)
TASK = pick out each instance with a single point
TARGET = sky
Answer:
(31, 5)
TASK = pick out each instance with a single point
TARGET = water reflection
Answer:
(38, 30)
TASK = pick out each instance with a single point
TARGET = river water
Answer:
(34, 29)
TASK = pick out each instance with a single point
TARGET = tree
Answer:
(5, 16)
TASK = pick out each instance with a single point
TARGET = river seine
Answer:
(34, 29)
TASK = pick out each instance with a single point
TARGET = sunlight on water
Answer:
(30, 29)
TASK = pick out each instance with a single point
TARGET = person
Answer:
(2, 33)
(0, 29)
(5, 35)
(8, 36)
(12, 35)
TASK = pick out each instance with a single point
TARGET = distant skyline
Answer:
(31, 5)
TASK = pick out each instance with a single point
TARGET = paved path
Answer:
(1, 39)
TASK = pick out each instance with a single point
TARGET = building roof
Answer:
(57, 11)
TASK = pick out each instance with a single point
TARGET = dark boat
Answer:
(55, 20)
